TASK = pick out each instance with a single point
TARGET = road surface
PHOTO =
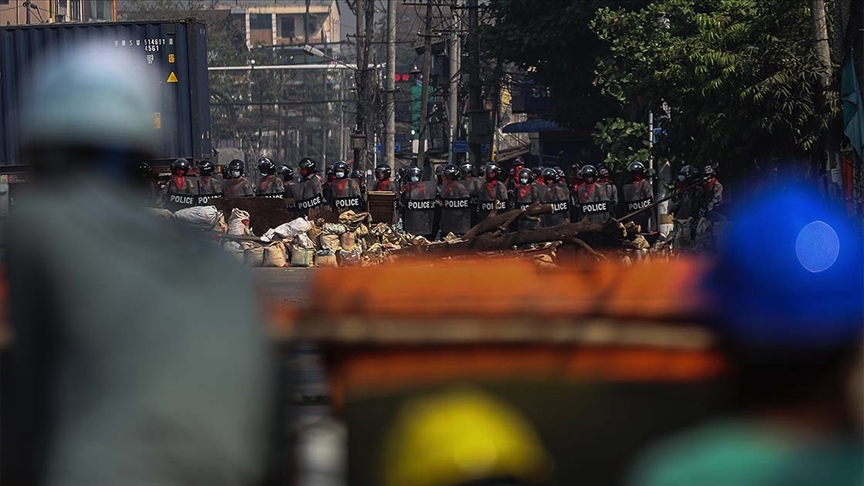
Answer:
(288, 285)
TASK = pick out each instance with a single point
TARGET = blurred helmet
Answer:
(180, 167)
(790, 276)
(266, 166)
(636, 167)
(382, 171)
(113, 98)
(688, 172)
(206, 168)
(550, 176)
(340, 170)
(526, 176)
(462, 437)
(287, 173)
(413, 174)
(519, 162)
(709, 170)
(493, 171)
(589, 171)
(603, 171)
(561, 175)
(307, 166)
(451, 172)
(466, 169)
(235, 169)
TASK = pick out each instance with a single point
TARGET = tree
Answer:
(740, 77)
(555, 40)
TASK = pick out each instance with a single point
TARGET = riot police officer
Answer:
(235, 183)
(345, 191)
(209, 186)
(638, 194)
(466, 171)
(308, 193)
(287, 175)
(492, 195)
(382, 178)
(182, 190)
(513, 180)
(604, 177)
(455, 199)
(418, 205)
(526, 194)
(270, 185)
(557, 194)
(594, 197)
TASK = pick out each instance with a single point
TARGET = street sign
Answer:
(460, 146)
(377, 149)
(397, 147)
(400, 138)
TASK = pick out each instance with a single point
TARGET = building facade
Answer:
(18, 12)
(288, 22)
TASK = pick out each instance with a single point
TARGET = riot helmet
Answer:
(413, 174)
(688, 172)
(340, 170)
(518, 164)
(562, 177)
(466, 169)
(382, 172)
(266, 166)
(180, 167)
(307, 166)
(526, 176)
(550, 176)
(235, 169)
(589, 172)
(636, 168)
(709, 170)
(287, 173)
(206, 168)
(451, 172)
(493, 171)
(602, 171)
(145, 171)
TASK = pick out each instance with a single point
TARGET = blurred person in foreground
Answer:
(789, 294)
(125, 370)
(463, 437)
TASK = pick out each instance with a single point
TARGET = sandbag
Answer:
(238, 223)
(289, 230)
(301, 257)
(274, 256)
(348, 240)
(160, 213)
(314, 233)
(330, 241)
(348, 258)
(325, 258)
(303, 241)
(221, 225)
(254, 257)
(199, 216)
(334, 229)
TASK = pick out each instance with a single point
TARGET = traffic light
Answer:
(402, 77)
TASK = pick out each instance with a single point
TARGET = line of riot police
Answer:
(457, 200)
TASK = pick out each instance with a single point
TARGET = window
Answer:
(314, 24)
(260, 22)
(98, 10)
(74, 12)
(4, 2)
(286, 25)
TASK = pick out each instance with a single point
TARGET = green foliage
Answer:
(740, 77)
(622, 142)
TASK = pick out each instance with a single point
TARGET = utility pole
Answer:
(27, 11)
(455, 62)
(424, 93)
(325, 120)
(360, 81)
(475, 85)
(390, 86)
(823, 53)
(369, 111)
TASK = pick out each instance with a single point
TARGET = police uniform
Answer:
(558, 195)
(271, 186)
(385, 185)
(182, 192)
(209, 187)
(524, 196)
(307, 194)
(491, 195)
(418, 208)
(639, 195)
(455, 210)
(239, 187)
(346, 195)
(596, 202)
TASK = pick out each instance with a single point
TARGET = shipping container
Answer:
(175, 49)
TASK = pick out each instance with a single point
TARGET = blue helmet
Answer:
(790, 277)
